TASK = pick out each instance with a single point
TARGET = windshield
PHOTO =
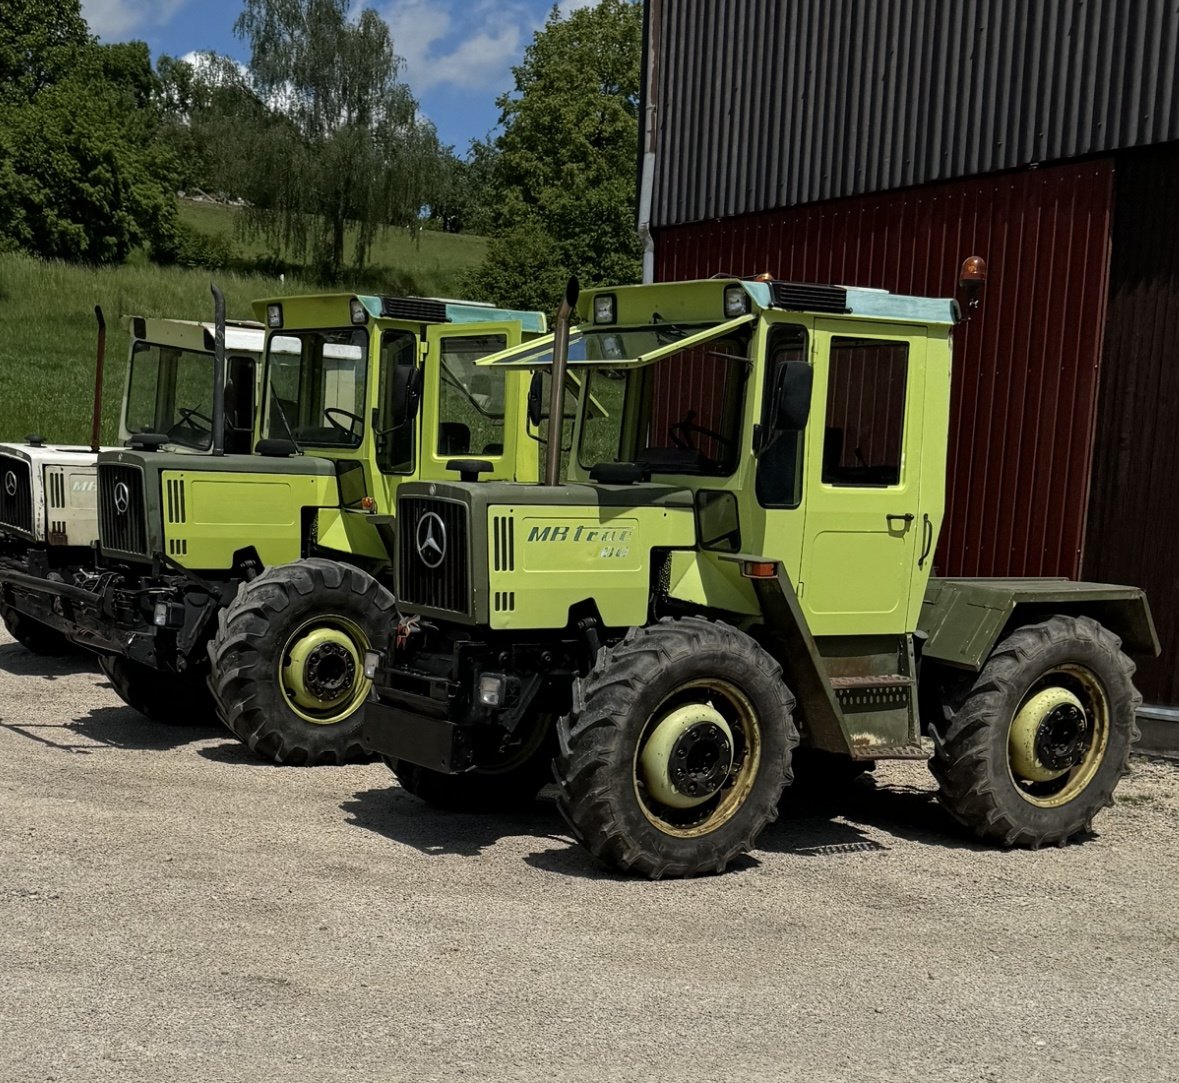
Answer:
(471, 399)
(315, 387)
(170, 391)
(680, 415)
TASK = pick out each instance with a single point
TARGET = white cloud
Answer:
(471, 46)
(118, 20)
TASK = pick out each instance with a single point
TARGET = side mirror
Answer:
(407, 394)
(536, 399)
(794, 397)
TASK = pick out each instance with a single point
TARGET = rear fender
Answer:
(962, 619)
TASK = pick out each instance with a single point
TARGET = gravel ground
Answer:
(170, 909)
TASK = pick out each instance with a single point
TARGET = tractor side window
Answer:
(395, 435)
(865, 417)
(779, 463)
(470, 398)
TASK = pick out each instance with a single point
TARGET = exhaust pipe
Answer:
(218, 370)
(99, 363)
(552, 471)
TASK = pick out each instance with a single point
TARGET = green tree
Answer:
(563, 169)
(39, 41)
(84, 173)
(342, 144)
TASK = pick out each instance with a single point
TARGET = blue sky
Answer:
(458, 53)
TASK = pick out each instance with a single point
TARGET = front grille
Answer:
(122, 517)
(433, 556)
(16, 494)
(422, 309)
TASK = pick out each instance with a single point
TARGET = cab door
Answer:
(862, 525)
(469, 412)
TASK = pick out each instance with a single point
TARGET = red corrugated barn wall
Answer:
(1132, 515)
(1025, 368)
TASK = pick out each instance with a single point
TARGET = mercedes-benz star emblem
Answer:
(122, 498)
(431, 536)
(10, 483)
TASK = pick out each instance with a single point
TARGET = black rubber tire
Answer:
(599, 740)
(162, 697)
(33, 635)
(511, 790)
(244, 657)
(970, 760)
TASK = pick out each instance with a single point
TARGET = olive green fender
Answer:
(962, 619)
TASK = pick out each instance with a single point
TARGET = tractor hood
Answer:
(529, 556)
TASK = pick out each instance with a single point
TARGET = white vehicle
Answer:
(49, 492)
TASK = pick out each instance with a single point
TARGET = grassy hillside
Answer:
(47, 327)
(430, 265)
(47, 334)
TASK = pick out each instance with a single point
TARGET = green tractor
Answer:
(260, 573)
(736, 564)
(49, 492)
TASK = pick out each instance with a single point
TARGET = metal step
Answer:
(876, 680)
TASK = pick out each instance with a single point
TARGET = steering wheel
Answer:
(353, 420)
(185, 420)
(680, 433)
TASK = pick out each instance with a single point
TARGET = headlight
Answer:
(736, 301)
(604, 308)
(493, 689)
(274, 315)
(359, 315)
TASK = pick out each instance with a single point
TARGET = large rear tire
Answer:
(162, 697)
(287, 662)
(1035, 747)
(33, 635)
(677, 749)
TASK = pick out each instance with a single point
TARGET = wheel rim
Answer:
(1057, 739)
(697, 758)
(322, 670)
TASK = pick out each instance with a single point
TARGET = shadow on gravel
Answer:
(814, 823)
(233, 753)
(19, 662)
(107, 728)
(391, 812)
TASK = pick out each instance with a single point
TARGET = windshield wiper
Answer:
(285, 423)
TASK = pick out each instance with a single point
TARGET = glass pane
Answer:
(779, 463)
(315, 387)
(690, 420)
(865, 412)
(601, 430)
(471, 399)
(395, 436)
(171, 393)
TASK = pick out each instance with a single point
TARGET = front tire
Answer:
(1035, 747)
(287, 660)
(162, 697)
(677, 749)
(33, 635)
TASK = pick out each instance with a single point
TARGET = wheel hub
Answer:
(329, 671)
(1049, 736)
(322, 669)
(688, 756)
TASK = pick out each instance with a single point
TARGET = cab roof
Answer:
(319, 309)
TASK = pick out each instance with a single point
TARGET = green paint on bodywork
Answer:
(963, 619)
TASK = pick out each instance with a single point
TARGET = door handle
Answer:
(926, 541)
(907, 518)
